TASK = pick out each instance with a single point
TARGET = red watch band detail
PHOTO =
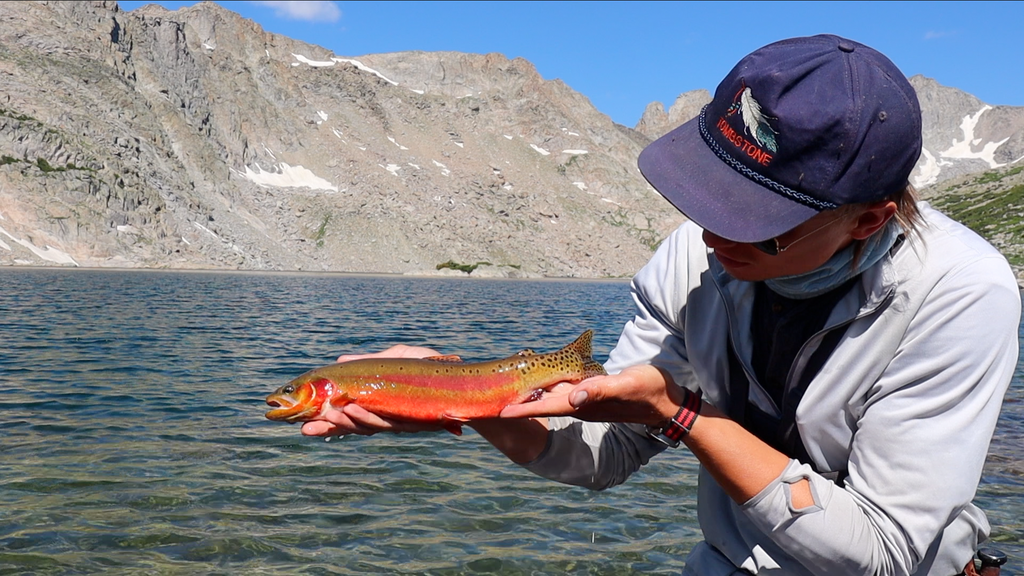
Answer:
(681, 423)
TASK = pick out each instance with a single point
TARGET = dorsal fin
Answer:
(583, 345)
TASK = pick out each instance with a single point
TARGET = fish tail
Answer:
(583, 346)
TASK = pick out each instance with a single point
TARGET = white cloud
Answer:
(309, 11)
(936, 34)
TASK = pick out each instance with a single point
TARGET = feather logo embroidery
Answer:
(754, 120)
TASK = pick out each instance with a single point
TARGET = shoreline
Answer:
(389, 275)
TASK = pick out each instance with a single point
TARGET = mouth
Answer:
(727, 261)
(279, 401)
(284, 409)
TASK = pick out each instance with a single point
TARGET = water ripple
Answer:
(133, 440)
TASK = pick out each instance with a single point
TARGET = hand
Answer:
(396, 351)
(352, 419)
(640, 394)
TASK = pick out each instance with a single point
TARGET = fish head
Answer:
(301, 399)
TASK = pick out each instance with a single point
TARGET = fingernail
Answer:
(578, 399)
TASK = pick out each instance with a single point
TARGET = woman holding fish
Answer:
(834, 353)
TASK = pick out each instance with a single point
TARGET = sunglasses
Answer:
(772, 247)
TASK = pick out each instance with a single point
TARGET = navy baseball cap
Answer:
(797, 127)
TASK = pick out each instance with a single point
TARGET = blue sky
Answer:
(623, 55)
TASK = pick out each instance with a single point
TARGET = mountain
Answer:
(963, 135)
(655, 121)
(195, 139)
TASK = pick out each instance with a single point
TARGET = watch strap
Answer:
(680, 424)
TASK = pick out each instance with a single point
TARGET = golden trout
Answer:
(442, 389)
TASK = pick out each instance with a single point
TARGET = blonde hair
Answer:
(907, 212)
(908, 215)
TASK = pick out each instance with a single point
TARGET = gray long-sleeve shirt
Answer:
(907, 404)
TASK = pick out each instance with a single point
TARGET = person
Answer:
(833, 352)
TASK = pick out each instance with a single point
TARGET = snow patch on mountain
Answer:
(964, 149)
(50, 254)
(929, 168)
(334, 60)
(288, 177)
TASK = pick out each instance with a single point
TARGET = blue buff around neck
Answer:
(837, 269)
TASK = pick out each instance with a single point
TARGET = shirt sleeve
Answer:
(599, 455)
(921, 437)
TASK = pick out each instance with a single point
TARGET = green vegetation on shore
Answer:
(469, 268)
(991, 204)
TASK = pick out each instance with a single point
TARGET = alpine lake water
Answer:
(132, 436)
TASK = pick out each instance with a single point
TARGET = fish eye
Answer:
(289, 389)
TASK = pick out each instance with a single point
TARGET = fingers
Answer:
(579, 398)
(366, 420)
(553, 405)
(320, 428)
(351, 357)
(353, 419)
(560, 400)
(589, 390)
(634, 395)
(393, 352)
(337, 423)
(397, 351)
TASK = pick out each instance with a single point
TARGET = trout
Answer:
(440, 389)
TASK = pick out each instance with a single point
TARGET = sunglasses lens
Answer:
(769, 247)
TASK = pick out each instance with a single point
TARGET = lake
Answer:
(132, 436)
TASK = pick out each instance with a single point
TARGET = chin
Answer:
(741, 270)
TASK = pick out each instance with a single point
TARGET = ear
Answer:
(872, 219)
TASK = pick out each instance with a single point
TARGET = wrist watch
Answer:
(680, 424)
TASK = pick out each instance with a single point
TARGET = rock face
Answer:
(656, 122)
(963, 135)
(194, 138)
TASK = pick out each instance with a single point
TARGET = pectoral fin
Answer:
(446, 417)
(453, 424)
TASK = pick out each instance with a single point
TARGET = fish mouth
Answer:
(286, 409)
(278, 402)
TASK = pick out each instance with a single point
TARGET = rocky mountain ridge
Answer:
(195, 139)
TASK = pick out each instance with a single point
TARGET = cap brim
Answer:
(683, 169)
